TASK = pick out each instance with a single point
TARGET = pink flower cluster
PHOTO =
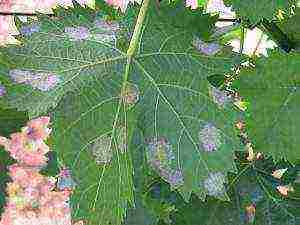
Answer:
(28, 146)
(32, 198)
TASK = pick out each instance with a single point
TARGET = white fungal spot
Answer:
(102, 150)
(130, 94)
(161, 157)
(210, 138)
(106, 31)
(108, 27)
(121, 136)
(106, 38)
(77, 33)
(215, 184)
(219, 97)
(29, 29)
(40, 81)
(160, 152)
(2, 90)
(206, 48)
(175, 178)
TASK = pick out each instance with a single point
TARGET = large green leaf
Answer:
(256, 10)
(173, 81)
(272, 88)
(176, 102)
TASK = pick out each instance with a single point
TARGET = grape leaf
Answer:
(102, 96)
(291, 27)
(75, 67)
(256, 10)
(272, 88)
(173, 77)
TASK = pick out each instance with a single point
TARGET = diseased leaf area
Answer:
(173, 79)
(272, 88)
(157, 123)
(251, 201)
(64, 56)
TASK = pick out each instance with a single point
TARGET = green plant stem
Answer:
(242, 43)
(137, 29)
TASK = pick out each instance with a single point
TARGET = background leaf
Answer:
(272, 90)
(256, 10)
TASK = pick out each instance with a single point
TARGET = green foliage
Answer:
(256, 10)
(112, 111)
(252, 185)
(271, 87)
(291, 27)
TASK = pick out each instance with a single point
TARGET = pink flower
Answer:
(32, 199)
(28, 146)
(192, 3)
(38, 128)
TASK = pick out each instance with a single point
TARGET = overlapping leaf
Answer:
(259, 9)
(252, 186)
(272, 88)
(291, 27)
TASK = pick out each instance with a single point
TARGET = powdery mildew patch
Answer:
(77, 33)
(219, 97)
(215, 184)
(210, 138)
(28, 30)
(121, 137)
(206, 48)
(130, 94)
(2, 90)
(40, 81)
(160, 156)
(102, 150)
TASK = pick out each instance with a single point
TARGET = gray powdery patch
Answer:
(210, 138)
(130, 94)
(102, 150)
(2, 90)
(215, 184)
(175, 178)
(77, 33)
(105, 31)
(28, 30)
(121, 138)
(161, 157)
(107, 26)
(206, 48)
(41, 81)
(219, 97)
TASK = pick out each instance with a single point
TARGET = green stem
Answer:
(242, 43)
(137, 29)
